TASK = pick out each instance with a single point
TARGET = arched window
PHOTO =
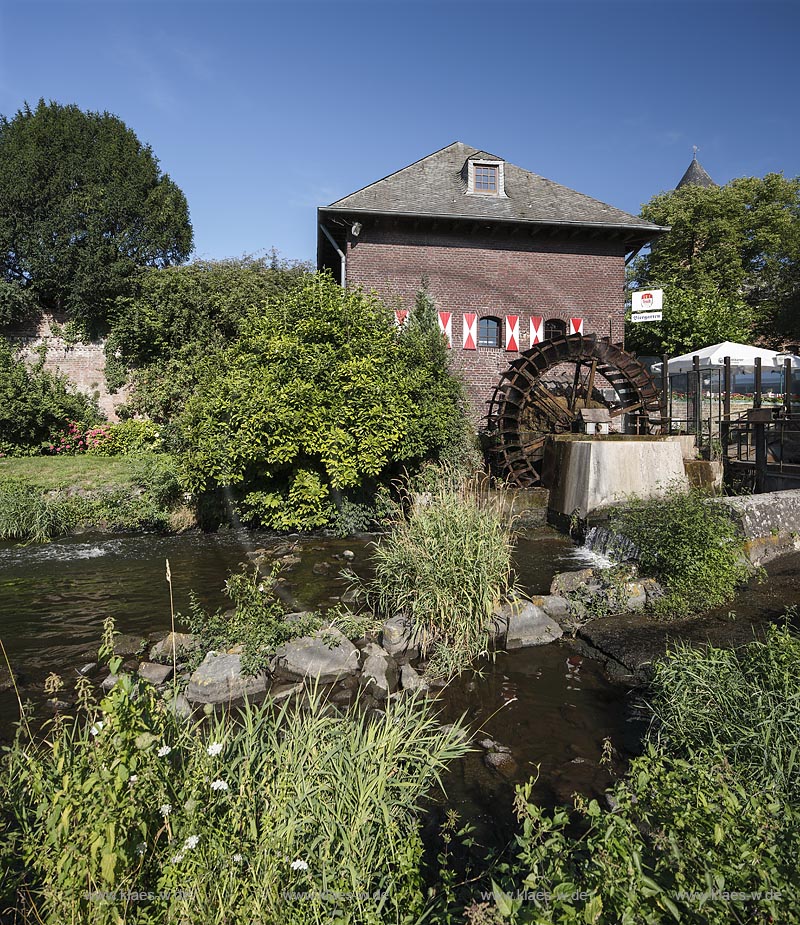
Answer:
(554, 328)
(489, 332)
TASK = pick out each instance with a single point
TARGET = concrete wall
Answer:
(594, 473)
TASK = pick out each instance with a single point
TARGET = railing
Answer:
(760, 444)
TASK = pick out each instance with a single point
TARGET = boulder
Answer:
(502, 762)
(155, 674)
(179, 705)
(555, 606)
(412, 680)
(635, 595)
(219, 679)
(397, 638)
(108, 682)
(379, 673)
(325, 657)
(129, 644)
(529, 625)
(565, 582)
(185, 644)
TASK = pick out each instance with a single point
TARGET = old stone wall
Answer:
(770, 522)
(494, 275)
(84, 364)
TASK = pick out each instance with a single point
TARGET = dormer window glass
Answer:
(485, 178)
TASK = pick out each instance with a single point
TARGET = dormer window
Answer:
(485, 178)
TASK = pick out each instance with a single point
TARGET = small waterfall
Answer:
(612, 545)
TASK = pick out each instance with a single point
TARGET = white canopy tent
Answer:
(742, 356)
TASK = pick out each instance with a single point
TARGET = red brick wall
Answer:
(494, 276)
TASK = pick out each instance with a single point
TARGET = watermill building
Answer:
(511, 258)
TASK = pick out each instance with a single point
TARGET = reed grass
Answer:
(445, 565)
(295, 815)
(737, 705)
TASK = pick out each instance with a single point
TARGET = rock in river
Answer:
(325, 657)
(379, 673)
(220, 679)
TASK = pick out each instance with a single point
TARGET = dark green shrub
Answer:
(690, 544)
(35, 405)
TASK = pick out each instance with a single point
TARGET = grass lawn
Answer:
(83, 472)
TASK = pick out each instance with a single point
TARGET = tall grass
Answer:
(737, 705)
(445, 566)
(296, 814)
(26, 513)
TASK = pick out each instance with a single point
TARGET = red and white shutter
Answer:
(470, 331)
(576, 325)
(537, 330)
(446, 326)
(400, 317)
(512, 332)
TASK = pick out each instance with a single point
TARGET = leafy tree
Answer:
(84, 205)
(35, 404)
(172, 319)
(730, 266)
(320, 395)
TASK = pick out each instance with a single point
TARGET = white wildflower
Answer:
(165, 809)
(177, 858)
(140, 848)
(299, 865)
(214, 749)
(219, 785)
(133, 778)
(163, 751)
(238, 857)
(95, 730)
(191, 842)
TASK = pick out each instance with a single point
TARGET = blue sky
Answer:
(261, 111)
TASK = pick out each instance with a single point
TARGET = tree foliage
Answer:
(84, 205)
(730, 266)
(319, 395)
(173, 319)
(35, 404)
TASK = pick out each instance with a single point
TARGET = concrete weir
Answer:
(587, 473)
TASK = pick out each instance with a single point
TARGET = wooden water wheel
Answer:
(544, 389)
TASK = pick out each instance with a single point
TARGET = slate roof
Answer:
(435, 186)
(695, 176)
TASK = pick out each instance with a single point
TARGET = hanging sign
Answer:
(537, 330)
(648, 300)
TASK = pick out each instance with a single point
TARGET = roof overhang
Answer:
(633, 234)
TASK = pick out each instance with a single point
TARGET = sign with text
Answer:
(646, 316)
(648, 300)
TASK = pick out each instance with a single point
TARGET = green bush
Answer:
(292, 816)
(27, 513)
(132, 436)
(320, 396)
(712, 807)
(36, 405)
(445, 565)
(690, 544)
(256, 622)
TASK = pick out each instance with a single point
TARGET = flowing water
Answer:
(552, 707)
